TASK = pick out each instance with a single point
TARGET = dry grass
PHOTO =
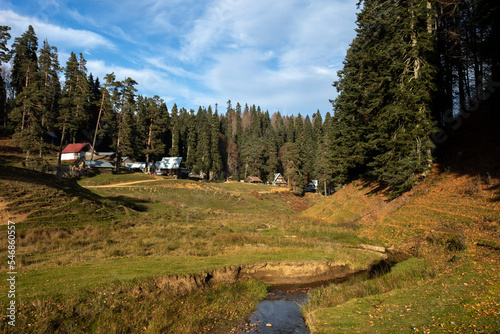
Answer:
(450, 223)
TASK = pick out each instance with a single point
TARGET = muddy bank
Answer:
(273, 273)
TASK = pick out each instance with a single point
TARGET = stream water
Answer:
(279, 312)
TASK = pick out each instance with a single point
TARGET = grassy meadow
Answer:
(89, 253)
(92, 255)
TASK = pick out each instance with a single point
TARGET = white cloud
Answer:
(281, 55)
(160, 63)
(55, 35)
(150, 81)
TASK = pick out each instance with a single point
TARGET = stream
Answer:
(279, 312)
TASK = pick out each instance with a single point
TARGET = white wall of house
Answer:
(69, 156)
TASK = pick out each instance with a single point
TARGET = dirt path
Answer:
(122, 184)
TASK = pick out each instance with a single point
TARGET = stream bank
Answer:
(289, 283)
(280, 311)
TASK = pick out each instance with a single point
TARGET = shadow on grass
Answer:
(496, 190)
(69, 186)
(377, 187)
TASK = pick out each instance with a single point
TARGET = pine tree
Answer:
(4, 57)
(157, 114)
(289, 157)
(215, 156)
(233, 159)
(25, 59)
(270, 154)
(28, 112)
(24, 71)
(202, 153)
(106, 119)
(75, 99)
(94, 105)
(382, 113)
(309, 149)
(127, 144)
(176, 132)
(192, 142)
(51, 90)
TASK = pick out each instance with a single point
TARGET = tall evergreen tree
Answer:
(289, 156)
(203, 147)
(158, 123)
(28, 112)
(4, 57)
(385, 92)
(25, 63)
(106, 118)
(51, 90)
(75, 99)
(192, 142)
(270, 154)
(175, 132)
(127, 143)
(215, 145)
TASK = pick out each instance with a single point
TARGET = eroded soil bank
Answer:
(276, 273)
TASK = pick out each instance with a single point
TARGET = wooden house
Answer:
(97, 166)
(253, 179)
(127, 162)
(172, 166)
(106, 156)
(75, 152)
(279, 180)
(141, 166)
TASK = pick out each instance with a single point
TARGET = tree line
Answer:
(413, 71)
(413, 68)
(241, 141)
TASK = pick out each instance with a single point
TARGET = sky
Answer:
(279, 55)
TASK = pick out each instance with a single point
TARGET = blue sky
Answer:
(280, 55)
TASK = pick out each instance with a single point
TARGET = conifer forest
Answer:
(414, 70)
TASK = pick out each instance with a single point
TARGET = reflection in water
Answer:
(279, 312)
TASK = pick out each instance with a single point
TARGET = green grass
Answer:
(77, 243)
(139, 307)
(63, 281)
(451, 286)
(92, 259)
(414, 297)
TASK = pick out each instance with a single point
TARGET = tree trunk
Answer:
(97, 127)
(59, 172)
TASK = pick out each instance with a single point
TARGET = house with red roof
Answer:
(75, 152)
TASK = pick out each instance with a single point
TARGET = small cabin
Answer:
(97, 166)
(253, 179)
(141, 166)
(76, 152)
(279, 180)
(172, 166)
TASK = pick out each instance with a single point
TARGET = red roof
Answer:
(74, 148)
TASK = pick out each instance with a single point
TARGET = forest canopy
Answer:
(412, 70)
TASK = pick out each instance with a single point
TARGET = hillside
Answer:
(112, 240)
(449, 223)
